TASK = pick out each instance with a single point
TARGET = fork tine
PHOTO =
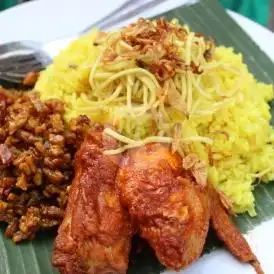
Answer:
(24, 67)
(16, 66)
(19, 66)
(17, 59)
(18, 45)
(14, 74)
(25, 58)
(11, 79)
(34, 67)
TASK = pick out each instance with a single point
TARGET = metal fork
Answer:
(19, 58)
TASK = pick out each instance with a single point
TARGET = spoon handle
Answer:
(126, 11)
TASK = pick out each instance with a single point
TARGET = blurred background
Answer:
(259, 11)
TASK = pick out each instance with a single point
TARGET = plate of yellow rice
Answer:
(221, 113)
(237, 148)
(226, 120)
(214, 107)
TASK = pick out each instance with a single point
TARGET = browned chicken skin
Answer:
(228, 232)
(171, 210)
(96, 232)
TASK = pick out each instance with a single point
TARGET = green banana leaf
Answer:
(207, 17)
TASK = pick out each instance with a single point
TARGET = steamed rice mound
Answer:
(246, 153)
(242, 152)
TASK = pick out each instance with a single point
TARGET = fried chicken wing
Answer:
(171, 210)
(95, 235)
(229, 234)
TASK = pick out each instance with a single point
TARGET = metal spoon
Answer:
(19, 58)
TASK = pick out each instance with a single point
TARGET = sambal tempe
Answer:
(37, 150)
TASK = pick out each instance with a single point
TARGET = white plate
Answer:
(262, 36)
(46, 19)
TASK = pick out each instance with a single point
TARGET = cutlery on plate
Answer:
(19, 58)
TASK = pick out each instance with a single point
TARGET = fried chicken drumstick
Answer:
(164, 202)
(170, 209)
(96, 232)
(173, 210)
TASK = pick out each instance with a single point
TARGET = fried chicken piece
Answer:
(229, 233)
(171, 210)
(95, 235)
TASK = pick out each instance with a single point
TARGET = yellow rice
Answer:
(242, 149)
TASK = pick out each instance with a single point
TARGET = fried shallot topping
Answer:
(158, 46)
